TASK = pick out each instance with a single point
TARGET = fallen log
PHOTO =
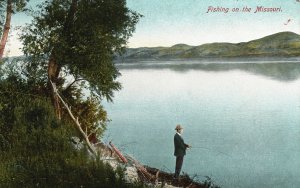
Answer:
(123, 159)
(149, 177)
(75, 120)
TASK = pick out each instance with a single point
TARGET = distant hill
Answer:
(283, 44)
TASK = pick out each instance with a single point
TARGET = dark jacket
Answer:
(179, 145)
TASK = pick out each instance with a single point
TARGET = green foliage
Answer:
(82, 37)
(22, 84)
(37, 149)
(40, 153)
(92, 114)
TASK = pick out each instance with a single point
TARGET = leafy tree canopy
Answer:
(70, 43)
(81, 36)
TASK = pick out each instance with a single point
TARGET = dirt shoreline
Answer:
(135, 171)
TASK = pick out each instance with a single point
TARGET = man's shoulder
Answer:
(177, 136)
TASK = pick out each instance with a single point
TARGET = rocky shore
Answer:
(136, 172)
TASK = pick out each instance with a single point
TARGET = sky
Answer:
(170, 22)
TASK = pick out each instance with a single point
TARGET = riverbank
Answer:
(136, 172)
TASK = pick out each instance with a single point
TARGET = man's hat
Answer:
(178, 127)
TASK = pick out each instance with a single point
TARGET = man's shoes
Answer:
(176, 179)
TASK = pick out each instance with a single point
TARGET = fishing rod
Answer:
(219, 152)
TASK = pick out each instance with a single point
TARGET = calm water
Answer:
(242, 119)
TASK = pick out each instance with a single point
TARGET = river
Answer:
(241, 118)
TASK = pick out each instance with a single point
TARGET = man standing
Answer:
(180, 148)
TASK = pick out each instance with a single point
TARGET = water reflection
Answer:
(282, 71)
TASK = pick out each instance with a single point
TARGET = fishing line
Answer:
(106, 138)
(166, 168)
(220, 152)
(123, 146)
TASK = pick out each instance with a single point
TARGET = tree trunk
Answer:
(53, 66)
(53, 73)
(6, 27)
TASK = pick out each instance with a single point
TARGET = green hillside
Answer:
(283, 44)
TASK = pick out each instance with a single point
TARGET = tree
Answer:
(70, 43)
(36, 148)
(11, 7)
(77, 39)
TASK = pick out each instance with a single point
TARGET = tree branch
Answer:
(75, 120)
(70, 85)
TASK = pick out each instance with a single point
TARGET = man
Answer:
(180, 148)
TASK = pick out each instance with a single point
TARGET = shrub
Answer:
(37, 151)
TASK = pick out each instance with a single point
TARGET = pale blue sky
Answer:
(168, 22)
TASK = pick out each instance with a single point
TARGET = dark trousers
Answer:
(179, 161)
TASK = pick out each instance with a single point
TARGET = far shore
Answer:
(212, 60)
